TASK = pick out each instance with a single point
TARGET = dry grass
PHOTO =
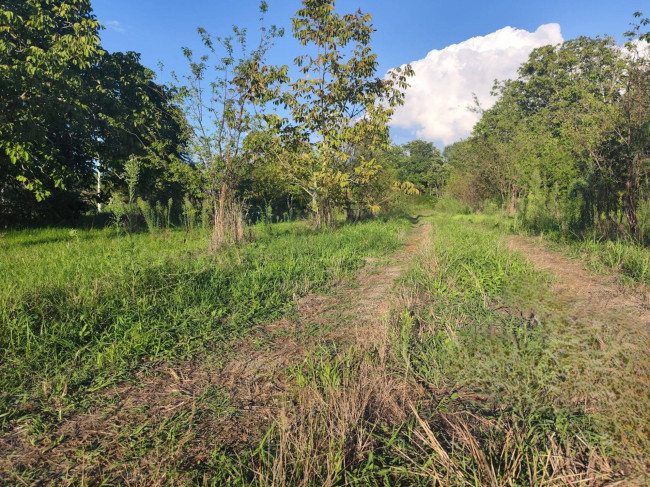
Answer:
(605, 334)
(378, 414)
(331, 429)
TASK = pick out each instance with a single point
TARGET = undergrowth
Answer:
(473, 390)
(629, 259)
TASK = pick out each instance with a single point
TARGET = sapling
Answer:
(131, 176)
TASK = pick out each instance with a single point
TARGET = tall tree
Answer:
(134, 116)
(221, 98)
(46, 46)
(632, 127)
(67, 109)
(423, 166)
(337, 104)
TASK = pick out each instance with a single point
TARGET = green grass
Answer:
(504, 413)
(629, 259)
(487, 326)
(80, 310)
(473, 391)
(483, 377)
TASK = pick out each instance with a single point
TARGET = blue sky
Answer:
(408, 31)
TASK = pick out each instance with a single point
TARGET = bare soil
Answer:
(595, 296)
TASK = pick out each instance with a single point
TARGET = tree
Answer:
(423, 166)
(222, 110)
(265, 185)
(45, 49)
(632, 127)
(573, 125)
(339, 103)
(133, 116)
(69, 109)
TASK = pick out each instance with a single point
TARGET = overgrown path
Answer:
(351, 315)
(596, 297)
(605, 324)
(223, 399)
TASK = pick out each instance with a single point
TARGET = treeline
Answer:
(567, 144)
(70, 111)
(234, 137)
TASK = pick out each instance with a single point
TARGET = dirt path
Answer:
(604, 342)
(592, 296)
(350, 315)
(221, 399)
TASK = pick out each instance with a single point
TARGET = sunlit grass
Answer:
(81, 309)
(483, 377)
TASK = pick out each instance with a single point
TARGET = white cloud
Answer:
(436, 104)
(637, 49)
(114, 25)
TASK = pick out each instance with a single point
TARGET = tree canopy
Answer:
(338, 105)
(69, 109)
(568, 139)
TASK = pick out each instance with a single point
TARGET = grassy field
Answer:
(82, 309)
(476, 389)
(480, 373)
(630, 260)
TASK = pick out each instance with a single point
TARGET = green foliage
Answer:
(42, 131)
(423, 166)
(67, 109)
(159, 216)
(453, 206)
(223, 98)
(133, 116)
(568, 138)
(339, 104)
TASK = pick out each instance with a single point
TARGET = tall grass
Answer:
(630, 259)
(478, 376)
(79, 310)
(499, 417)
(529, 385)
(470, 392)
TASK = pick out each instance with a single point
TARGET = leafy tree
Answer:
(338, 104)
(574, 124)
(45, 49)
(223, 109)
(467, 161)
(632, 125)
(133, 116)
(69, 109)
(265, 185)
(422, 165)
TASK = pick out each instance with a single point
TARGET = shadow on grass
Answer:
(30, 242)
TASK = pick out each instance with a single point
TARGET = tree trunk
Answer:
(222, 207)
(630, 199)
(324, 216)
(218, 231)
(513, 199)
(350, 215)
